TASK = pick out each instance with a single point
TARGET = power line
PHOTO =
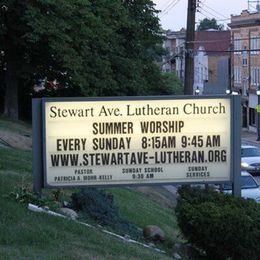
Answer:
(215, 11)
(199, 11)
(166, 4)
(208, 41)
(170, 8)
(217, 18)
(202, 7)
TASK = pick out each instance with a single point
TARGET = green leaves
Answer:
(96, 48)
(207, 24)
(223, 226)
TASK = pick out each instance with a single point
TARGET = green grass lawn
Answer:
(29, 235)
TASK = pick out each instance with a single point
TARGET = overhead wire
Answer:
(165, 5)
(174, 3)
(215, 11)
(202, 9)
(168, 6)
(205, 15)
(217, 18)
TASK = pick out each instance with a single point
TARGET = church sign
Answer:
(137, 140)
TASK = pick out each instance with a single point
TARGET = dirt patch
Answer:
(15, 140)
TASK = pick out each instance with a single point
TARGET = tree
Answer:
(92, 48)
(169, 84)
(207, 24)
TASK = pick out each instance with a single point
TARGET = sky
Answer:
(174, 12)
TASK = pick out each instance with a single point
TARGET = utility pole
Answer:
(189, 48)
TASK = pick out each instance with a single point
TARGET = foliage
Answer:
(99, 206)
(222, 225)
(91, 48)
(25, 195)
(173, 85)
(207, 24)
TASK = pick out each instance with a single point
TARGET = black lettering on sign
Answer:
(58, 160)
(179, 157)
(213, 141)
(83, 171)
(112, 128)
(217, 156)
(194, 109)
(105, 177)
(98, 159)
(197, 174)
(58, 112)
(111, 143)
(89, 177)
(71, 144)
(161, 126)
(109, 111)
(66, 178)
(157, 142)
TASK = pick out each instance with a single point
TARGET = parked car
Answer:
(249, 187)
(250, 159)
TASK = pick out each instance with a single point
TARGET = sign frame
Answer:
(39, 138)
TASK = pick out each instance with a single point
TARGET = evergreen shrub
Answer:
(99, 206)
(223, 226)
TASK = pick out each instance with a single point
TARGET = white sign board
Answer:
(111, 142)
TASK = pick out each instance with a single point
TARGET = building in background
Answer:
(245, 65)
(211, 59)
(174, 61)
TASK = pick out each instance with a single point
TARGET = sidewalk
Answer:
(249, 138)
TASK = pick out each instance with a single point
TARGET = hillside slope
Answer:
(29, 235)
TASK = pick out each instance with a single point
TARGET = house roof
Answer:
(245, 19)
(215, 43)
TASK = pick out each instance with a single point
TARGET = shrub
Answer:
(100, 207)
(221, 225)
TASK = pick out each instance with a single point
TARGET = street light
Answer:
(228, 91)
(197, 91)
(258, 113)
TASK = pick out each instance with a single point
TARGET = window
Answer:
(255, 75)
(237, 74)
(247, 182)
(252, 116)
(244, 57)
(237, 46)
(205, 73)
(255, 45)
(200, 74)
(250, 152)
(245, 88)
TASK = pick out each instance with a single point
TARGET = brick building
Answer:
(245, 62)
(211, 59)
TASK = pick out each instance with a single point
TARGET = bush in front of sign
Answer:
(221, 225)
(99, 206)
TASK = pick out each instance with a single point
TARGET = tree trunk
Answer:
(10, 76)
(11, 92)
